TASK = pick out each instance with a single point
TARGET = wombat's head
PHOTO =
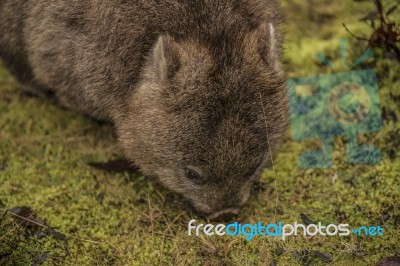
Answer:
(207, 115)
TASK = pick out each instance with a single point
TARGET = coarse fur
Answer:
(193, 85)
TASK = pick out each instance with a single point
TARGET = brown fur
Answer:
(184, 82)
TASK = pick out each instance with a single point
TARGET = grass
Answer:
(125, 219)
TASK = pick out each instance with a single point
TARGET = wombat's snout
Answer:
(224, 215)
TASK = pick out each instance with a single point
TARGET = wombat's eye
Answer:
(193, 176)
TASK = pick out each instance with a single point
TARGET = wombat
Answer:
(194, 88)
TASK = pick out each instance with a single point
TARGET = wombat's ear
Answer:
(267, 41)
(166, 60)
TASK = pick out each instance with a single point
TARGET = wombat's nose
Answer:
(224, 216)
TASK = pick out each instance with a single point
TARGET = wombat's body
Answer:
(193, 88)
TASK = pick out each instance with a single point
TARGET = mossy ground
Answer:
(125, 219)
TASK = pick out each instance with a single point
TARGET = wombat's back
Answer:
(91, 53)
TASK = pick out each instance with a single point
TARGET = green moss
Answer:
(125, 219)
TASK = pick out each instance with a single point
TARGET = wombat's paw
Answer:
(32, 92)
(115, 166)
